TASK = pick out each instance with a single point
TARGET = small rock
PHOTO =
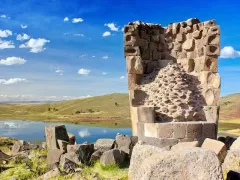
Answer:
(72, 138)
(235, 144)
(69, 165)
(114, 157)
(95, 156)
(50, 174)
(19, 146)
(53, 158)
(104, 144)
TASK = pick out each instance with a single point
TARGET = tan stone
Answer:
(177, 46)
(197, 34)
(201, 51)
(185, 145)
(145, 114)
(72, 138)
(214, 30)
(131, 51)
(210, 23)
(236, 144)
(144, 35)
(180, 37)
(211, 113)
(189, 35)
(216, 146)
(192, 21)
(63, 145)
(179, 130)
(211, 39)
(188, 45)
(134, 65)
(164, 130)
(205, 31)
(194, 130)
(150, 130)
(192, 54)
(182, 55)
(212, 50)
(195, 27)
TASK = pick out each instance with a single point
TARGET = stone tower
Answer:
(173, 84)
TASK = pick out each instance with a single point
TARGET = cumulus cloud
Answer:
(22, 37)
(59, 71)
(122, 77)
(4, 16)
(13, 81)
(66, 19)
(6, 44)
(93, 56)
(77, 20)
(5, 33)
(84, 133)
(229, 52)
(104, 73)
(84, 71)
(35, 45)
(107, 33)
(105, 57)
(23, 26)
(12, 61)
(112, 26)
(81, 35)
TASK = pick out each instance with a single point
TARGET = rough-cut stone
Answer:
(104, 144)
(126, 143)
(188, 45)
(72, 138)
(63, 145)
(69, 165)
(72, 156)
(232, 161)
(191, 164)
(185, 145)
(113, 157)
(211, 113)
(233, 143)
(44, 145)
(95, 156)
(217, 147)
(134, 65)
(19, 146)
(53, 133)
(50, 174)
(53, 158)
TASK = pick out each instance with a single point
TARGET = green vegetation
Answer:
(5, 142)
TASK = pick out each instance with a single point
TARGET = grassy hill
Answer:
(111, 107)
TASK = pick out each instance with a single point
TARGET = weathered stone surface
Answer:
(233, 143)
(212, 50)
(63, 145)
(53, 158)
(233, 175)
(191, 164)
(232, 161)
(217, 147)
(72, 156)
(185, 145)
(104, 144)
(188, 45)
(134, 65)
(126, 143)
(69, 165)
(44, 145)
(72, 138)
(50, 174)
(19, 146)
(95, 156)
(165, 143)
(113, 157)
(53, 133)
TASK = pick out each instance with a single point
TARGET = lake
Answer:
(33, 131)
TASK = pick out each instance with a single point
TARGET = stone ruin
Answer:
(173, 80)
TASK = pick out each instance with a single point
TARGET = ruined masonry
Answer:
(174, 87)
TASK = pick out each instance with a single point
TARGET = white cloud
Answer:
(22, 37)
(5, 33)
(66, 19)
(12, 60)
(59, 71)
(81, 35)
(84, 133)
(35, 45)
(83, 55)
(112, 26)
(122, 29)
(107, 33)
(105, 57)
(4, 16)
(24, 26)
(122, 77)
(93, 56)
(229, 52)
(6, 44)
(84, 71)
(104, 73)
(77, 20)
(13, 81)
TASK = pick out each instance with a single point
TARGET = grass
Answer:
(5, 142)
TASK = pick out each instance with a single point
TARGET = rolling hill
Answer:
(99, 108)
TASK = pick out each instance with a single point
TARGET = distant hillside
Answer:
(107, 107)
(230, 106)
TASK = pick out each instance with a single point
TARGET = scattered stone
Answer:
(53, 158)
(190, 164)
(232, 161)
(235, 144)
(69, 165)
(63, 145)
(50, 174)
(216, 146)
(104, 144)
(19, 146)
(53, 133)
(72, 156)
(95, 156)
(113, 157)
(185, 145)
(4, 155)
(126, 143)
(72, 138)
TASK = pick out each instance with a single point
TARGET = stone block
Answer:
(139, 97)
(133, 81)
(214, 30)
(131, 51)
(197, 34)
(177, 46)
(212, 96)
(189, 34)
(192, 54)
(165, 143)
(212, 50)
(192, 21)
(209, 63)
(114, 157)
(104, 144)
(211, 39)
(209, 130)
(180, 37)
(188, 45)
(150, 130)
(216, 146)
(144, 35)
(194, 130)
(236, 144)
(185, 145)
(209, 79)
(53, 133)
(146, 53)
(63, 145)
(230, 140)
(72, 138)
(131, 29)
(179, 130)
(139, 130)
(195, 27)
(134, 40)
(201, 51)
(126, 143)
(164, 130)
(211, 113)
(53, 158)
(209, 23)
(182, 55)
(134, 65)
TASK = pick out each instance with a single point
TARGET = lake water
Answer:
(33, 131)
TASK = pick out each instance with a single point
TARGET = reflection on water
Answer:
(33, 131)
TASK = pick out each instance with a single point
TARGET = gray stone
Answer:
(19, 146)
(72, 156)
(44, 145)
(53, 158)
(185, 145)
(72, 138)
(53, 133)
(104, 144)
(95, 156)
(69, 165)
(126, 143)
(233, 144)
(50, 174)
(63, 145)
(114, 157)
(190, 164)
(231, 161)
(159, 142)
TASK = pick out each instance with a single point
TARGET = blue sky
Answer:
(57, 59)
